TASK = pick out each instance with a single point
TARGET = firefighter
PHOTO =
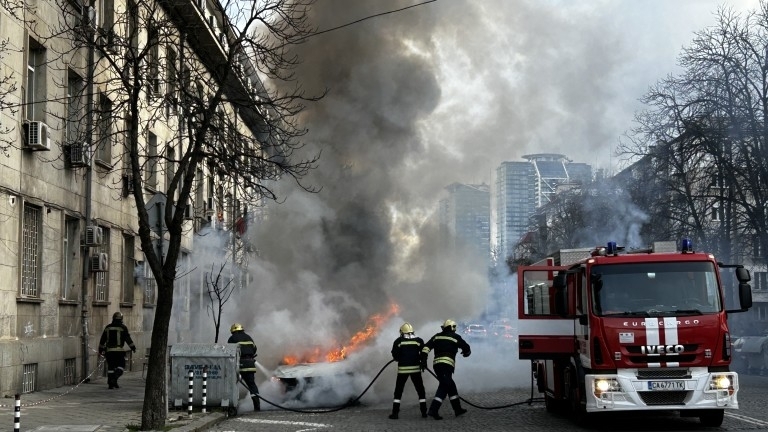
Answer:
(446, 344)
(247, 361)
(114, 336)
(406, 351)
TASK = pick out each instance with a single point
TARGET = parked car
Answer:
(476, 331)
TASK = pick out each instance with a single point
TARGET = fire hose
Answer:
(352, 402)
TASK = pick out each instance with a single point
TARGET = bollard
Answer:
(17, 414)
(205, 387)
(191, 382)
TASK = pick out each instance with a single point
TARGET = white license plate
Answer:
(666, 385)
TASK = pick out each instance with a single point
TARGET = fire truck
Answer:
(608, 330)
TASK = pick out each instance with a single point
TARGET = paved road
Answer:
(520, 417)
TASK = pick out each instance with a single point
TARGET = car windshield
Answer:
(655, 289)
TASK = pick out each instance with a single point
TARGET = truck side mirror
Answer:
(745, 295)
(742, 275)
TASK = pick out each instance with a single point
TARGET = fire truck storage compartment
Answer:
(221, 363)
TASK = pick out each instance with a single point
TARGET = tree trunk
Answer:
(153, 413)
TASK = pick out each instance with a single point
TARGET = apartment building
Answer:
(70, 255)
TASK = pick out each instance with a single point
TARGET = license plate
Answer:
(666, 385)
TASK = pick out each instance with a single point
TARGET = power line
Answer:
(363, 19)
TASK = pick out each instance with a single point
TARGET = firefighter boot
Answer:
(111, 380)
(395, 410)
(256, 402)
(423, 407)
(456, 404)
(118, 374)
(434, 408)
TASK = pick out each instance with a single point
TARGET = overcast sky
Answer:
(423, 98)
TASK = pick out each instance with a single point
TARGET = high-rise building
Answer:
(523, 186)
(466, 215)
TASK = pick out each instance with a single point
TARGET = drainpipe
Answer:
(88, 187)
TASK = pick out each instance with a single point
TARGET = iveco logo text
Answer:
(660, 323)
(661, 349)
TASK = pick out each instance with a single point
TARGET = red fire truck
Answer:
(611, 330)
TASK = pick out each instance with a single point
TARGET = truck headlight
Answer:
(604, 385)
(720, 382)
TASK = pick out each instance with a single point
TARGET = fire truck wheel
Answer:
(550, 404)
(712, 418)
(578, 410)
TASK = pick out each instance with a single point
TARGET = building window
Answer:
(29, 378)
(761, 281)
(150, 286)
(150, 173)
(106, 14)
(70, 254)
(105, 130)
(762, 313)
(35, 83)
(101, 279)
(31, 261)
(129, 267)
(717, 212)
(170, 167)
(74, 107)
(757, 246)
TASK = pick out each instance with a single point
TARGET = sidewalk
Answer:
(93, 407)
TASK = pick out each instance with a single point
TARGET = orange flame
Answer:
(371, 329)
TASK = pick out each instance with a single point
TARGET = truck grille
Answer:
(664, 397)
(663, 373)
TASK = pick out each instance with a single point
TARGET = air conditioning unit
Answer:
(93, 236)
(79, 155)
(127, 184)
(36, 136)
(100, 262)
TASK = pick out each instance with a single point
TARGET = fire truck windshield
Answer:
(654, 289)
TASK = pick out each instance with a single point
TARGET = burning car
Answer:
(319, 384)
(325, 377)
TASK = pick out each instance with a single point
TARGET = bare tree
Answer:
(220, 289)
(176, 111)
(8, 81)
(707, 130)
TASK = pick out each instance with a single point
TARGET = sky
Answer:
(423, 98)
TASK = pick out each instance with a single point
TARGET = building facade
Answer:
(466, 215)
(71, 254)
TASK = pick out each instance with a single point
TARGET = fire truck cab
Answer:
(611, 330)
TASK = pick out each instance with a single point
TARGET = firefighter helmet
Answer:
(236, 327)
(449, 324)
(117, 316)
(406, 328)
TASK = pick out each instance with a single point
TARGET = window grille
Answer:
(29, 378)
(150, 286)
(101, 279)
(31, 265)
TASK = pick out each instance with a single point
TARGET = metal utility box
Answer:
(221, 361)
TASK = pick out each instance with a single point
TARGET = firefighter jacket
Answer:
(407, 353)
(446, 344)
(247, 350)
(114, 336)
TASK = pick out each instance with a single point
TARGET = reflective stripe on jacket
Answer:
(446, 344)
(407, 354)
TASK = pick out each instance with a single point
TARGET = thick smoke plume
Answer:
(417, 100)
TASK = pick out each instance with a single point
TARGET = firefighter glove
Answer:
(423, 364)
(133, 348)
(102, 353)
(466, 353)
